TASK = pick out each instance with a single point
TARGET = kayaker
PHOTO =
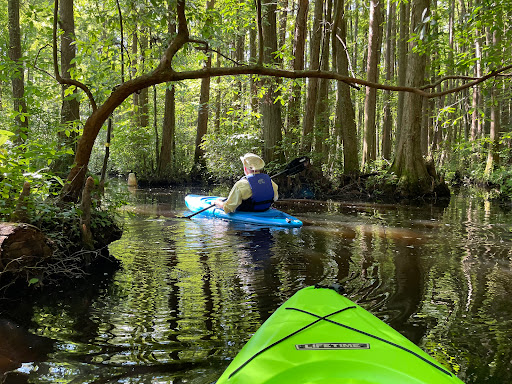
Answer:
(253, 193)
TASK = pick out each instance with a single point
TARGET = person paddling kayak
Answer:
(255, 192)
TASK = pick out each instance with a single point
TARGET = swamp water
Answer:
(190, 292)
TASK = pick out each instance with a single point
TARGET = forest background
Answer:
(417, 93)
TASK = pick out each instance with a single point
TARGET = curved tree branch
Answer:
(443, 79)
(290, 74)
(59, 78)
(178, 42)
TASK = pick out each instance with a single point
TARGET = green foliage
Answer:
(501, 182)
(468, 161)
(27, 162)
(381, 183)
(232, 117)
(223, 154)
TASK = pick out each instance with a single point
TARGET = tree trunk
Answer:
(253, 59)
(18, 78)
(218, 99)
(308, 123)
(354, 27)
(70, 110)
(345, 123)
(402, 62)
(372, 70)
(299, 44)
(476, 124)
(155, 125)
(199, 167)
(493, 158)
(322, 121)
(143, 105)
(409, 164)
(134, 71)
(270, 110)
(167, 151)
(283, 22)
(239, 57)
(387, 123)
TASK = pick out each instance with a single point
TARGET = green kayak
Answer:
(320, 336)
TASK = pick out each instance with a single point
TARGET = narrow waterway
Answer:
(190, 292)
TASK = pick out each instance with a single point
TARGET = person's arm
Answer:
(233, 201)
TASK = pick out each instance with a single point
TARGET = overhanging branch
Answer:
(275, 72)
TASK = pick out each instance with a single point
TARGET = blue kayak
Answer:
(271, 217)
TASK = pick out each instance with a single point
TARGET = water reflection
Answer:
(192, 291)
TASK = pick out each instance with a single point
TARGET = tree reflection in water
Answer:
(190, 293)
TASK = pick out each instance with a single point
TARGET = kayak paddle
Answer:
(295, 166)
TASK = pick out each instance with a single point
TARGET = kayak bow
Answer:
(319, 336)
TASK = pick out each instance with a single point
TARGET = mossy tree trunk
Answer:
(409, 164)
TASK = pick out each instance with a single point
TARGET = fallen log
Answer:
(22, 246)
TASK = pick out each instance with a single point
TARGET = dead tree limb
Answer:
(85, 219)
(20, 212)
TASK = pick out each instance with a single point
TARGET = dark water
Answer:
(192, 291)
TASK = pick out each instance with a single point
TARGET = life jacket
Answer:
(262, 193)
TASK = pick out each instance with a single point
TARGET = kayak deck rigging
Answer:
(326, 318)
(320, 336)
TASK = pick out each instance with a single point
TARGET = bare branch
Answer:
(207, 49)
(35, 62)
(494, 73)
(443, 79)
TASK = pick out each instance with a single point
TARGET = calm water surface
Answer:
(190, 292)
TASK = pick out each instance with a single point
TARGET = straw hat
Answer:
(252, 161)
